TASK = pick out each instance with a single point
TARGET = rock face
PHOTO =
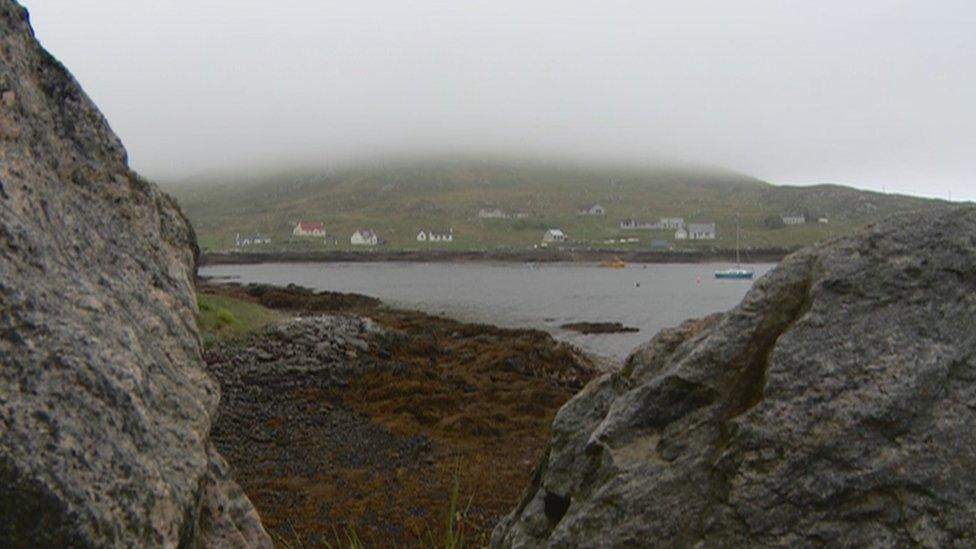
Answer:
(836, 405)
(105, 410)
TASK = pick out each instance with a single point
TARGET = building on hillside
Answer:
(639, 225)
(435, 235)
(364, 237)
(701, 231)
(681, 234)
(591, 209)
(672, 222)
(330, 240)
(660, 245)
(823, 220)
(492, 213)
(250, 239)
(304, 228)
(794, 219)
(553, 235)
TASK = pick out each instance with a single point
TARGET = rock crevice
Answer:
(832, 406)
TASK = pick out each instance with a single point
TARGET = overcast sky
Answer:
(872, 93)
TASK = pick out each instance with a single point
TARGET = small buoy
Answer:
(637, 284)
(698, 280)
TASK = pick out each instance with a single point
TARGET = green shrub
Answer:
(226, 317)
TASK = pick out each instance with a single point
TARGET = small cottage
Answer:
(304, 228)
(701, 231)
(364, 237)
(672, 222)
(794, 219)
(639, 225)
(435, 235)
(591, 209)
(250, 239)
(492, 213)
(681, 234)
(553, 235)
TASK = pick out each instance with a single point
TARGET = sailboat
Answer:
(738, 272)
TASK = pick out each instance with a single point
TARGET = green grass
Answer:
(222, 317)
(399, 198)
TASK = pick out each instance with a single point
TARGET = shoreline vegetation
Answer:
(341, 414)
(568, 255)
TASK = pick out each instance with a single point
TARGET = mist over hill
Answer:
(399, 197)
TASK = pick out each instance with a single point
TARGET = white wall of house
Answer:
(358, 238)
(554, 235)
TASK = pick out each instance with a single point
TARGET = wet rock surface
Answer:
(599, 327)
(836, 405)
(105, 409)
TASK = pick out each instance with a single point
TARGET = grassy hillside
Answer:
(397, 199)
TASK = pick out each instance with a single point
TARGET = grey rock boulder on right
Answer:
(835, 405)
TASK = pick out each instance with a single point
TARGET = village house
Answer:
(591, 209)
(304, 228)
(672, 222)
(639, 224)
(794, 219)
(435, 236)
(664, 223)
(251, 239)
(553, 235)
(492, 213)
(701, 231)
(364, 237)
(681, 234)
(823, 220)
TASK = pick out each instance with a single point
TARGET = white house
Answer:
(823, 220)
(553, 235)
(251, 239)
(701, 231)
(664, 223)
(364, 237)
(435, 236)
(492, 213)
(681, 234)
(672, 222)
(591, 209)
(639, 224)
(794, 219)
(304, 228)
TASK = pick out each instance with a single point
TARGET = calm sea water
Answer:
(648, 297)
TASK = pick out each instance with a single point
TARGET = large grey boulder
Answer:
(836, 405)
(105, 410)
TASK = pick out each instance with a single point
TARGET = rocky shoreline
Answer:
(567, 255)
(599, 328)
(357, 417)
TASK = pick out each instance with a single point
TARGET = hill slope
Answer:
(397, 199)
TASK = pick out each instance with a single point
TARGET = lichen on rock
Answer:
(105, 410)
(836, 405)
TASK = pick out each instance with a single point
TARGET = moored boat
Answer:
(738, 273)
(615, 264)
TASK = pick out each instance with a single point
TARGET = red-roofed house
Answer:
(305, 228)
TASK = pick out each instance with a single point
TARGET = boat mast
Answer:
(738, 265)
